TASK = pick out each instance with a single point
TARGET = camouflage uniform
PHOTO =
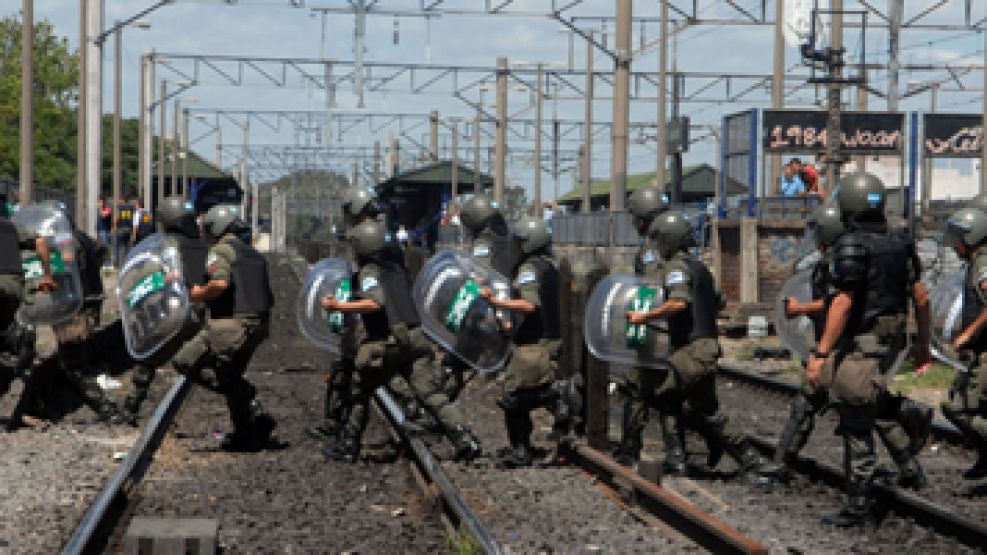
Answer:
(13, 338)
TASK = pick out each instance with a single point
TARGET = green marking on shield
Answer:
(461, 304)
(636, 335)
(33, 269)
(148, 285)
(343, 292)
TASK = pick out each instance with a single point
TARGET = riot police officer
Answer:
(687, 390)
(644, 206)
(966, 233)
(902, 424)
(358, 205)
(76, 353)
(17, 340)
(875, 271)
(533, 366)
(394, 345)
(237, 293)
(176, 219)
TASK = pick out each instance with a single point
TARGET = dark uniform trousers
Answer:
(178, 348)
(528, 380)
(857, 373)
(11, 294)
(967, 404)
(217, 358)
(378, 363)
(76, 357)
(688, 389)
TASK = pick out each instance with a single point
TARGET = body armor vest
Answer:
(10, 257)
(972, 308)
(194, 254)
(399, 307)
(699, 320)
(886, 288)
(89, 265)
(249, 291)
(544, 322)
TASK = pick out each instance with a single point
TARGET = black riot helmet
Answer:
(646, 203)
(967, 226)
(359, 203)
(369, 238)
(176, 215)
(671, 233)
(479, 212)
(861, 197)
(828, 221)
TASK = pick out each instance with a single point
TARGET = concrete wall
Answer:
(755, 257)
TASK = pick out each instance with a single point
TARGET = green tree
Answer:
(129, 145)
(55, 95)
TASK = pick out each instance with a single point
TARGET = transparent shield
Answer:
(66, 301)
(324, 329)
(796, 334)
(608, 334)
(152, 296)
(453, 314)
(946, 305)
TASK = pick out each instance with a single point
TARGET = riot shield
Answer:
(62, 304)
(608, 334)
(151, 295)
(453, 314)
(796, 334)
(324, 329)
(946, 305)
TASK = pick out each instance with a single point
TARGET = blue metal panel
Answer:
(752, 165)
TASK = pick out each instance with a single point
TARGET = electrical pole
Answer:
(833, 128)
(117, 109)
(662, 95)
(395, 157)
(94, 115)
(555, 156)
(176, 109)
(146, 126)
(476, 150)
(676, 189)
(27, 104)
(454, 178)
(861, 106)
(162, 132)
(894, 41)
(926, 161)
(219, 146)
(983, 148)
(243, 160)
(621, 107)
(536, 201)
(778, 89)
(185, 153)
(376, 163)
(80, 157)
(433, 136)
(500, 169)
(587, 148)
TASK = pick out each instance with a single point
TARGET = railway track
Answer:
(934, 515)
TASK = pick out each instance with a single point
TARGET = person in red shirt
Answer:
(810, 176)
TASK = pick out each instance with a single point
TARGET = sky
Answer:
(275, 29)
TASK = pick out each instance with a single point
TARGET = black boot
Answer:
(262, 423)
(750, 463)
(466, 444)
(327, 430)
(856, 512)
(910, 473)
(674, 463)
(629, 450)
(916, 419)
(347, 449)
(979, 469)
(517, 456)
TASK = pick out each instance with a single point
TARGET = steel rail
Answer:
(932, 515)
(428, 467)
(940, 518)
(941, 429)
(702, 528)
(99, 520)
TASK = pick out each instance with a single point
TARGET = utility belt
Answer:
(887, 336)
